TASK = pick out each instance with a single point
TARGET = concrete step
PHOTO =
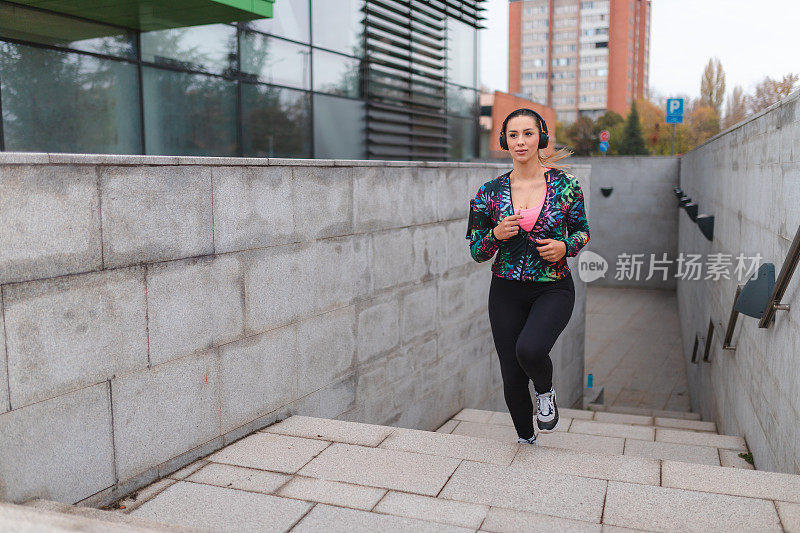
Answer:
(493, 417)
(311, 474)
(621, 409)
(44, 515)
(582, 433)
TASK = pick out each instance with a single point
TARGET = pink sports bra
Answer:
(530, 215)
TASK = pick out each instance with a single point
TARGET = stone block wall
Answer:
(154, 309)
(638, 217)
(748, 178)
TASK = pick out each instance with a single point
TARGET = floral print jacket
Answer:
(562, 217)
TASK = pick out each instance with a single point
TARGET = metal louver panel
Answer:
(405, 75)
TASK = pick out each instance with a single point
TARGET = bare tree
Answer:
(770, 91)
(712, 85)
(736, 107)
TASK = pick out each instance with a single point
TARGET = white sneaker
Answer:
(547, 412)
(531, 440)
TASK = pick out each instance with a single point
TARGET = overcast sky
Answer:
(752, 39)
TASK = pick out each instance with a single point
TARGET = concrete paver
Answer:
(329, 519)
(458, 446)
(238, 477)
(331, 430)
(527, 490)
(379, 467)
(448, 426)
(594, 465)
(581, 442)
(628, 431)
(332, 492)
(735, 481)
(694, 425)
(622, 418)
(669, 509)
(789, 514)
(210, 507)
(502, 520)
(486, 431)
(436, 509)
(698, 438)
(674, 451)
(268, 451)
(731, 459)
(473, 415)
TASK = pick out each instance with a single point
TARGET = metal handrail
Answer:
(709, 335)
(726, 343)
(785, 276)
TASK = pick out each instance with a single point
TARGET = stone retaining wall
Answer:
(156, 308)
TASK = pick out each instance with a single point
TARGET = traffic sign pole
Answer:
(672, 150)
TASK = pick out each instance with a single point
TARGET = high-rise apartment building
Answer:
(580, 57)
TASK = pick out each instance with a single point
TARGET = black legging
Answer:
(526, 318)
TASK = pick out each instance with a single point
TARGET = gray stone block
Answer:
(439, 510)
(336, 272)
(392, 258)
(510, 521)
(458, 446)
(673, 451)
(251, 208)
(155, 214)
(24, 158)
(321, 202)
(213, 508)
(391, 469)
(665, 509)
(419, 311)
(270, 451)
(378, 328)
(163, 411)
(49, 221)
(257, 375)
(60, 449)
(596, 465)
(331, 430)
(194, 305)
(330, 401)
(332, 492)
(378, 202)
(325, 349)
(430, 256)
(276, 294)
(238, 477)
(342, 520)
(578, 498)
(70, 332)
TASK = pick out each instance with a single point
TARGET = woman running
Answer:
(533, 217)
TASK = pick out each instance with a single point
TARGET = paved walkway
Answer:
(633, 348)
(601, 471)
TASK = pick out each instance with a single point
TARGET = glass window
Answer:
(336, 74)
(462, 133)
(289, 19)
(274, 60)
(337, 25)
(461, 53)
(188, 114)
(25, 24)
(211, 48)
(338, 128)
(461, 101)
(66, 102)
(276, 122)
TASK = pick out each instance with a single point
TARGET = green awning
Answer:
(148, 15)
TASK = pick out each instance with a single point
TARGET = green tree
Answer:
(712, 85)
(581, 136)
(632, 139)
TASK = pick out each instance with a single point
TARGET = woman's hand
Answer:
(507, 228)
(552, 250)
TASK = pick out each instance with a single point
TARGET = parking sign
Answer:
(674, 110)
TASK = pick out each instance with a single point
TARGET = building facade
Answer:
(360, 79)
(580, 57)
